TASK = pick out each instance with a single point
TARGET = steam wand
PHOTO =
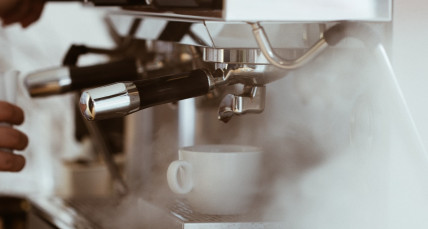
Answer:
(330, 38)
(274, 59)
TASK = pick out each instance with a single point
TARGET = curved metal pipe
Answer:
(274, 59)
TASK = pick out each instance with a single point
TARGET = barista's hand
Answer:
(11, 138)
(24, 12)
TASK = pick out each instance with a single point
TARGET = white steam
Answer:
(368, 164)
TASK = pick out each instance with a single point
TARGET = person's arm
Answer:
(24, 12)
(11, 138)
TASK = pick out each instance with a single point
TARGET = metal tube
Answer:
(277, 61)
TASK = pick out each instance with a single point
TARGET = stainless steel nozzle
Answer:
(48, 82)
(115, 100)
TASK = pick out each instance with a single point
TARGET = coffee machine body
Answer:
(306, 81)
(310, 117)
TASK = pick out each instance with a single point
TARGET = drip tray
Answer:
(193, 220)
(132, 212)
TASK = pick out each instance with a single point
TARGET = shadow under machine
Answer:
(223, 54)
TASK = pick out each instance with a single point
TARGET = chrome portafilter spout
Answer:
(252, 98)
(251, 101)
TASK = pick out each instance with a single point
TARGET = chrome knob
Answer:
(48, 82)
(115, 100)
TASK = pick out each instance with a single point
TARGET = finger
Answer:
(35, 13)
(12, 139)
(11, 162)
(10, 113)
(18, 12)
(7, 5)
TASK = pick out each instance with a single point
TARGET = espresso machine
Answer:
(261, 73)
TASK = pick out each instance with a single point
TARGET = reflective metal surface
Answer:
(251, 101)
(247, 56)
(273, 10)
(120, 99)
(47, 82)
(190, 219)
(230, 74)
(109, 214)
(113, 100)
(279, 62)
(217, 34)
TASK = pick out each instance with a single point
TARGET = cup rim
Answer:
(221, 148)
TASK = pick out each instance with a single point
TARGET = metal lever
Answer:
(251, 101)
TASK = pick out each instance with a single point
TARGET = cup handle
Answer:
(179, 176)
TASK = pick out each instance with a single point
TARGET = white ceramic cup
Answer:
(8, 91)
(217, 179)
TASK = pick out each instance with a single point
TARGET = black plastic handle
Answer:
(102, 74)
(73, 54)
(172, 88)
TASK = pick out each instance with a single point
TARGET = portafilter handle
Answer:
(120, 99)
(71, 78)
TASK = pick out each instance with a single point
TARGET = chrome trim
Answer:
(115, 100)
(279, 62)
(251, 101)
(48, 82)
(219, 34)
(274, 10)
(211, 79)
(246, 56)
(250, 75)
